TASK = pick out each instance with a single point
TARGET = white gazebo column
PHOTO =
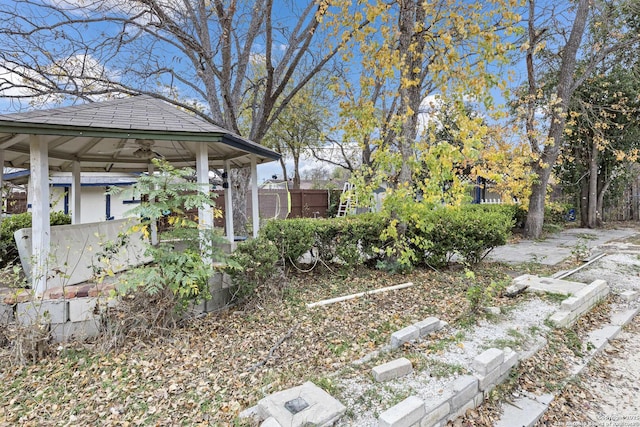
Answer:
(1, 182)
(76, 193)
(40, 228)
(228, 204)
(154, 224)
(255, 211)
(205, 213)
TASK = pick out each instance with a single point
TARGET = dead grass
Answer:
(211, 368)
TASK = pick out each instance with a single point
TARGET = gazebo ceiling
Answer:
(123, 135)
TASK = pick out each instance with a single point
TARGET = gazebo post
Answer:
(228, 204)
(205, 214)
(40, 228)
(1, 183)
(255, 211)
(76, 192)
(154, 225)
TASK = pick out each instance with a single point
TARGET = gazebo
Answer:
(119, 135)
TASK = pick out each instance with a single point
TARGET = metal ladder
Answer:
(345, 206)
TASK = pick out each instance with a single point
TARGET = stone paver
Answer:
(321, 408)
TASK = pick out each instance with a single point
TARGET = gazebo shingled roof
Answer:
(105, 136)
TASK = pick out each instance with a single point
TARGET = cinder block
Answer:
(48, 311)
(74, 330)
(428, 325)
(488, 360)
(405, 414)
(488, 381)
(561, 319)
(571, 303)
(464, 407)
(629, 295)
(394, 369)
(478, 400)
(435, 413)
(6, 314)
(510, 360)
(410, 333)
(592, 289)
(465, 389)
(82, 309)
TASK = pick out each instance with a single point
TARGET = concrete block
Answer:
(629, 295)
(488, 381)
(561, 319)
(435, 413)
(270, 422)
(405, 414)
(571, 303)
(428, 325)
(470, 404)
(6, 314)
(394, 369)
(48, 311)
(219, 299)
(465, 388)
(478, 400)
(487, 361)
(321, 409)
(592, 289)
(68, 331)
(510, 360)
(81, 309)
(410, 333)
(624, 317)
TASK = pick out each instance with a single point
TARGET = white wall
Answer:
(93, 204)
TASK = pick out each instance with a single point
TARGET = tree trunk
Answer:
(535, 216)
(584, 202)
(296, 173)
(284, 169)
(239, 183)
(592, 211)
(551, 150)
(604, 187)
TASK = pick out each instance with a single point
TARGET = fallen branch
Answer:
(274, 348)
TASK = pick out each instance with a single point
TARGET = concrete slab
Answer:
(548, 284)
(599, 337)
(557, 247)
(623, 318)
(300, 406)
(525, 411)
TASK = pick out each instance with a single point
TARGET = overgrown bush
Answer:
(470, 232)
(253, 267)
(10, 224)
(348, 240)
(178, 267)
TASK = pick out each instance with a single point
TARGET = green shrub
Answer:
(351, 239)
(178, 267)
(252, 266)
(469, 231)
(10, 224)
(292, 237)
